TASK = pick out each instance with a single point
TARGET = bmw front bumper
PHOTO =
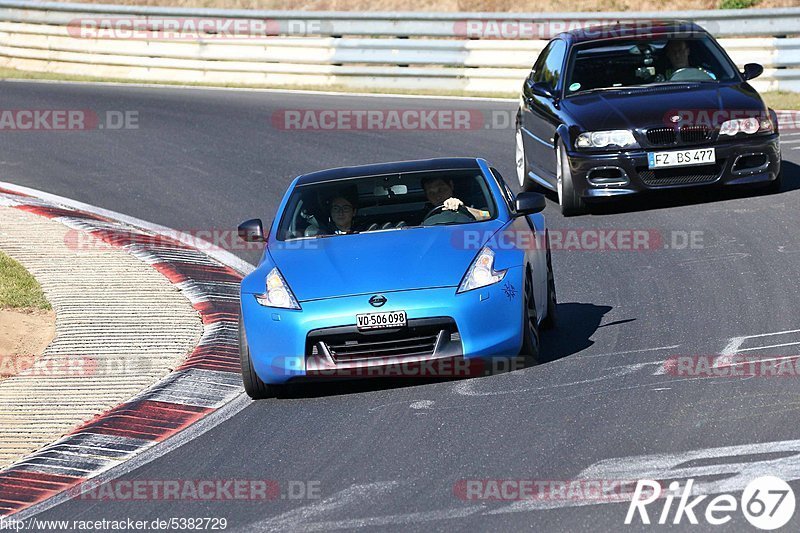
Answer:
(742, 161)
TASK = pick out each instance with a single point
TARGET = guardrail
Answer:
(403, 50)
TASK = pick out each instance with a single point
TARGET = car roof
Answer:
(396, 167)
(637, 28)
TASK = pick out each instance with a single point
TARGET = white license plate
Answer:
(387, 319)
(681, 158)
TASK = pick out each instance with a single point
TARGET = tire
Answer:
(253, 386)
(571, 203)
(530, 333)
(775, 186)
(551, 320)
(525, 182)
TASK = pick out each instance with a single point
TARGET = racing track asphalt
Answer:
(389, 454)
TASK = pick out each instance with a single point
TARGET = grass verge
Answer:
(782, 100)
(18, 289)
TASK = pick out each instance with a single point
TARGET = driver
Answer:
(440, 192)
(677, 52)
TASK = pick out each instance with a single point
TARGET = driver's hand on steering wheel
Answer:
(452, 204)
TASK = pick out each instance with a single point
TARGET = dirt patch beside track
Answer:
(24, 335)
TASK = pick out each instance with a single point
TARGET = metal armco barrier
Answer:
(471, 52)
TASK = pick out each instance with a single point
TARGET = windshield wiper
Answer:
(597, 89)
(636, 87)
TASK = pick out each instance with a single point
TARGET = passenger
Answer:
(336, 217)
(440, 192)
(342, 210)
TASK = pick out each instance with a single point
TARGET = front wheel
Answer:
(525, 181)
(522, 165)
(530, 333)
(775, 185)
(253, 386)
(571, 203)
(551, 319)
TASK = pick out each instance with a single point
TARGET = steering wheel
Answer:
(691, 74)
(462, 210)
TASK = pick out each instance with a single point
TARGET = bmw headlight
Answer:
(278, 293)
(749, 126)
(481, 272)
(603, 139)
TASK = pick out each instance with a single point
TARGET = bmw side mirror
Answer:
(252, 231)
(528, 203)
(529, 82)
(752, 71)
(541, 89)
(538, 88)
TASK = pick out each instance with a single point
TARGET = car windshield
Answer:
(386, 202)
(637, 62)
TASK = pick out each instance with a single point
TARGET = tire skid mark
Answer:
(467, 387)
(716, 470)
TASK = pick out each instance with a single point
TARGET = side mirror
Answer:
(540, 89)
(752, 70)
(528, 203)
(252, 231)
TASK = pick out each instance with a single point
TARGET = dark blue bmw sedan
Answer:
(624, 109)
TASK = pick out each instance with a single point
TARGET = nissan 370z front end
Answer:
(395, 270)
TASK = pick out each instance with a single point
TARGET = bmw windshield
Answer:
(637, 62)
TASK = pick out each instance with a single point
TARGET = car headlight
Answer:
(481, 272)
(747, 125)
(278, 293)
(602, 139)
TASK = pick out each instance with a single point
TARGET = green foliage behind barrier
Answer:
(737, 4)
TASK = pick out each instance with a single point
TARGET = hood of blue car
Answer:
(416, 258)
(630, 108)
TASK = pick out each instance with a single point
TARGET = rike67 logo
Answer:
(767, 503)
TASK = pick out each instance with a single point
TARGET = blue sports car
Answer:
(412, 268)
